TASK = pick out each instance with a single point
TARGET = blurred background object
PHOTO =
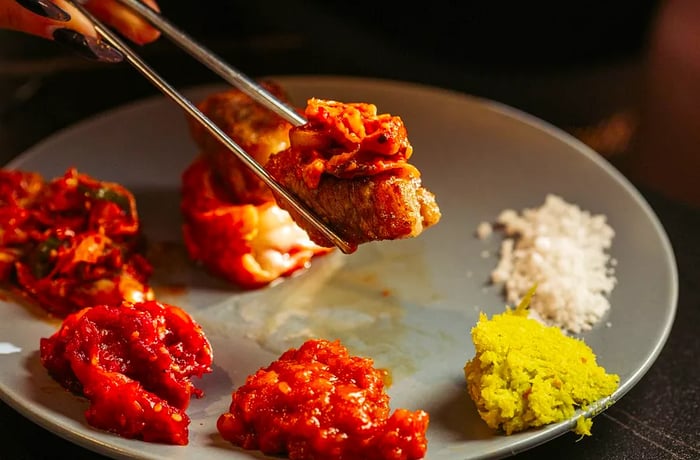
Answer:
(666, 154)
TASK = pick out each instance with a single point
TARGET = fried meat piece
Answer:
(380, 207)
(256, 129)
(350, 166)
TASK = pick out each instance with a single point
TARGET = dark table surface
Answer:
(583, 72)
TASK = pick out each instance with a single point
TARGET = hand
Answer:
(60, 21)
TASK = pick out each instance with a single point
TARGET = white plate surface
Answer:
(477, 156)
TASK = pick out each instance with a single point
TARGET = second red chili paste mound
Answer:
(319, 402)
(134, 363)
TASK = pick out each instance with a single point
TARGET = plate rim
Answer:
(543, 435)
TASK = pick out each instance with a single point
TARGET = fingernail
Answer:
(87, 47)
(45, 8)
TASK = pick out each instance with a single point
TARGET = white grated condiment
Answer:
(484, 230)
(562, 249)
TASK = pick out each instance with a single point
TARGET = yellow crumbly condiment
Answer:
(525, 374)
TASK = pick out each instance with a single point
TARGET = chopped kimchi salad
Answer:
(71, 242)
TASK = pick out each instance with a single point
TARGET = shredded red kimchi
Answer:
(71, 242)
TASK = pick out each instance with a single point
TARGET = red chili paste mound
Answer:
(134, 363)
(71, 242)
(318, 402)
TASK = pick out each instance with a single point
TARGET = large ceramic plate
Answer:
(408, 304)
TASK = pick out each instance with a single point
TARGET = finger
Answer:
(42, 17)
(60, 22)
(128, 23)
(45, 8)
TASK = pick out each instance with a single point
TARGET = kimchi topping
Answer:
(318, 401)
(349, 140)
(134, 363)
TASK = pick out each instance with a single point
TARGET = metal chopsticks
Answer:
(234, 77)
(216, 64)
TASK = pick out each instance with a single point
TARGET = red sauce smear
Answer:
(134, 363)
(319, 402)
